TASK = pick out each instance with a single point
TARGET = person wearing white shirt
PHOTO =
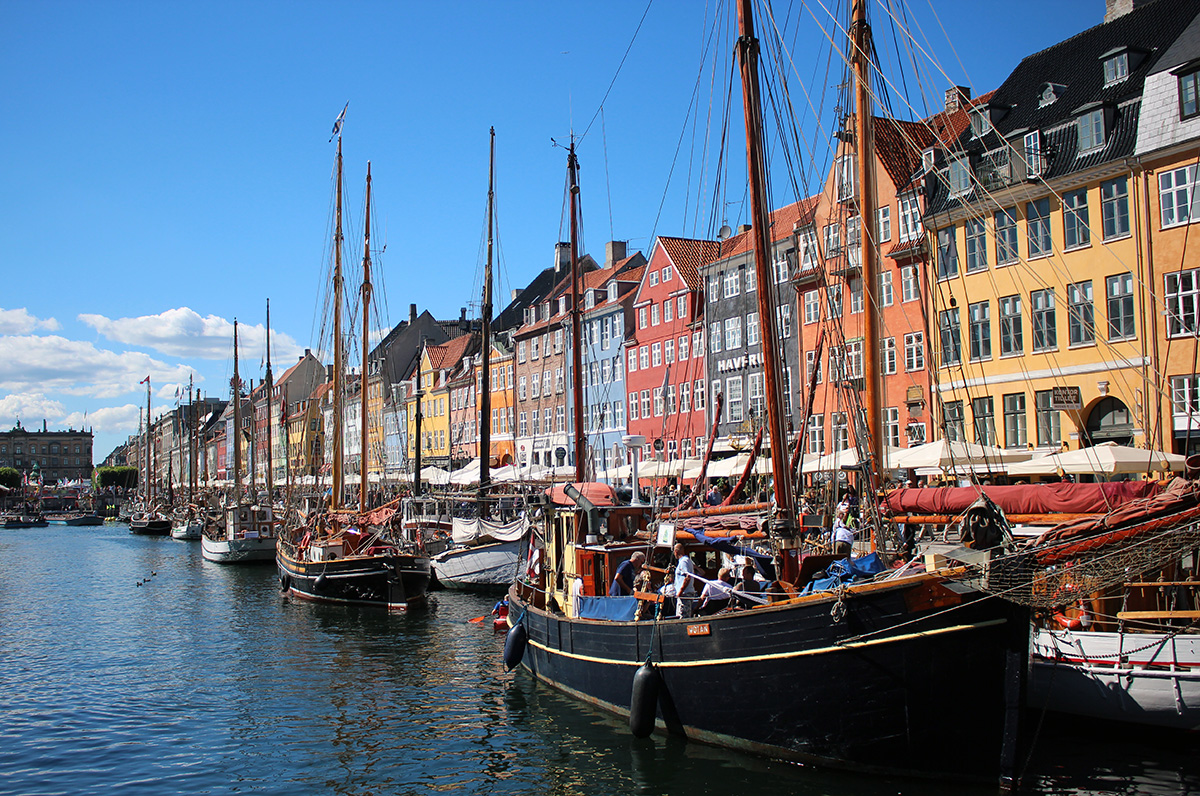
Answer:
(685, 583)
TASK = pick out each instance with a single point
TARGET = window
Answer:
(959, 176)
(641, 317)
(951, 337)
(606, 332)
(910, 288)
(883, 224)
(887, 355)
(847, 177)
(1075, 219)
(816, 434)
(837, 365)
(980, 330)
(976, 232)
(947, 253)
(754, 385)
(1038, 217)
(1189, 98)
(521, 351)
(653, 278)
(523, 424)
(1119, 290)
(632, 361)
(833, 297)
(1006, 236)
(1011, 336)
(981, 123)
(854, 359)
(1182, 299)
(983, 415)
(656, 354)
(812, 368)
(910, 218)
(644, 357)
(856, 295)
(780, 267)
(1116, 69)
(1081, 314)
(1048, 431)
(833, 240)
(915, 433)
(714, 288)
(668, 311)
(714, 337)
(560, 419)
(668, 352)
(1114, 208)
(1045, 332)
(683, 348)
(521, 388)
(1185, 399)
(666, 274)
(685, 397)
(891, 426)
(886, 294)
(812, 306)
(1177, 196)
(914, 351)
(1035, 162)
(732, 284)
(698, 393)
(733, 333)
(808, 248)
(733, 399)
(751, 284)
(752, 330)
(1014, 420)
(646, 403)
(534, 382)
(633, 406)
(681, 307)
(1091, 131)
(841, 431)
(783, 314)
(671, 399)
(654, 317)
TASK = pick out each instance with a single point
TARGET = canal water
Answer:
(130, 664)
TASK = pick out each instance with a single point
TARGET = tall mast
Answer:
(576, 345)
(339, 479)
(485, 375)
(761, 234)
(417, 425)
(253, 444)
(270, 387)
(141, 453)
(237, 422)
(191, 426)
(864, 139)
(149, 449)
(364, 458)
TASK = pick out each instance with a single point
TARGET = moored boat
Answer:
(77, 519)
(243, 534)
(149, 523)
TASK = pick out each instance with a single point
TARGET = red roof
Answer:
(783, 222)
(451, 352)
(687, 255)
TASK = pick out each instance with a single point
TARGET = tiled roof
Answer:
(783, 221)
(687, 255)
(449, 353)
(906, 249)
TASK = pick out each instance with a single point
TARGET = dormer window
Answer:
(960, 176)
(981, 123)
(562, 304)
(1050, 94)
(1189, 93)
(928, 160)
(612, 291)
(1116, 68)
(1091, 131)
(590, 300)
(847, 177)
(1035, 159)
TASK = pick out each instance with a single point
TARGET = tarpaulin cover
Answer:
(599, 494)
(477, 531)
(1062, 498)
(614, 609)
(761, 561)
(846, 570)
(720, 522)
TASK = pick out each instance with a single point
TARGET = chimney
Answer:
(307, 353)
(1114, 9)
(462, 317)
(956, 98)
(515, 293)
(329, 373)
(614, 250)
(562, 258)
(412, 313)
(744, 228)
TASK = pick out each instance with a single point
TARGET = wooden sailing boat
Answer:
(485, 555)
(245, 531)
(148, 521)
(189, 523)
(348, 556)
(854, 677)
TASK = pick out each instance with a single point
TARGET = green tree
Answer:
(10, 477)
(104, 477)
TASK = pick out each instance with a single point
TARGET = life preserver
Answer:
(1080, 622)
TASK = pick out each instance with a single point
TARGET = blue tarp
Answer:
(847, 570)
(615, 609)
(762, 562)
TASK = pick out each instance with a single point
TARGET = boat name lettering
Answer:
(699, 630)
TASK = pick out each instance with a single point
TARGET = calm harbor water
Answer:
(204, 679)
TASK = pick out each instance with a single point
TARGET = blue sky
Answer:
(166, 165)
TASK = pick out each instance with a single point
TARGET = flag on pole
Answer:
(337, 123)
(145, 380)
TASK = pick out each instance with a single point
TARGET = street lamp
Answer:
(634, 443)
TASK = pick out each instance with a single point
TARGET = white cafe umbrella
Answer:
(947, 454)
(1107, 458)
(435, 476)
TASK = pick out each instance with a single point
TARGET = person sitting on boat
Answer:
(717, 593)
(500, 609)
(685, 583)
(644, 583)
(843, 532)
(714, 496)
(747, 585)
(622, 582)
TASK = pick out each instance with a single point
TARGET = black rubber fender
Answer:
(285, 582)
(643, 701)
(319, 583)
(514, 646)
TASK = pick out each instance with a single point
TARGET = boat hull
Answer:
(875, 691)
(1143, 678)
(489, 567)
(394, 581)
(188, 531)
(238, 551)
(150, 527)
(77, 520)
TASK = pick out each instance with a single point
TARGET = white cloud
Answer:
(110, 419)
(29, 408)
(19, 321)
(182, 332)
(55, 364)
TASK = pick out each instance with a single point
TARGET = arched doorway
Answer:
(1110, 421)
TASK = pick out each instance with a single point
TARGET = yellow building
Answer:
(437, 367)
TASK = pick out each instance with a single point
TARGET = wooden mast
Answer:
(364, 457)
(417, 418)
(576, 343)
(860, 33)
(339, 480)
(485, 375)
(149, 450)
(761, 235)
(270, 387)
(237, 422)
(191, 426)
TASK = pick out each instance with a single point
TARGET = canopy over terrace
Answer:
(844, 459)
(952, 455)
(1107, 458)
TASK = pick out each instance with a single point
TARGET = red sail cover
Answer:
(1062, 498)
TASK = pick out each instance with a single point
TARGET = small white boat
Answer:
(187, 529)
(243, 534)
(1144, 678)
(486, 566)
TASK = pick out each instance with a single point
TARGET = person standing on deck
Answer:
(685, 583)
